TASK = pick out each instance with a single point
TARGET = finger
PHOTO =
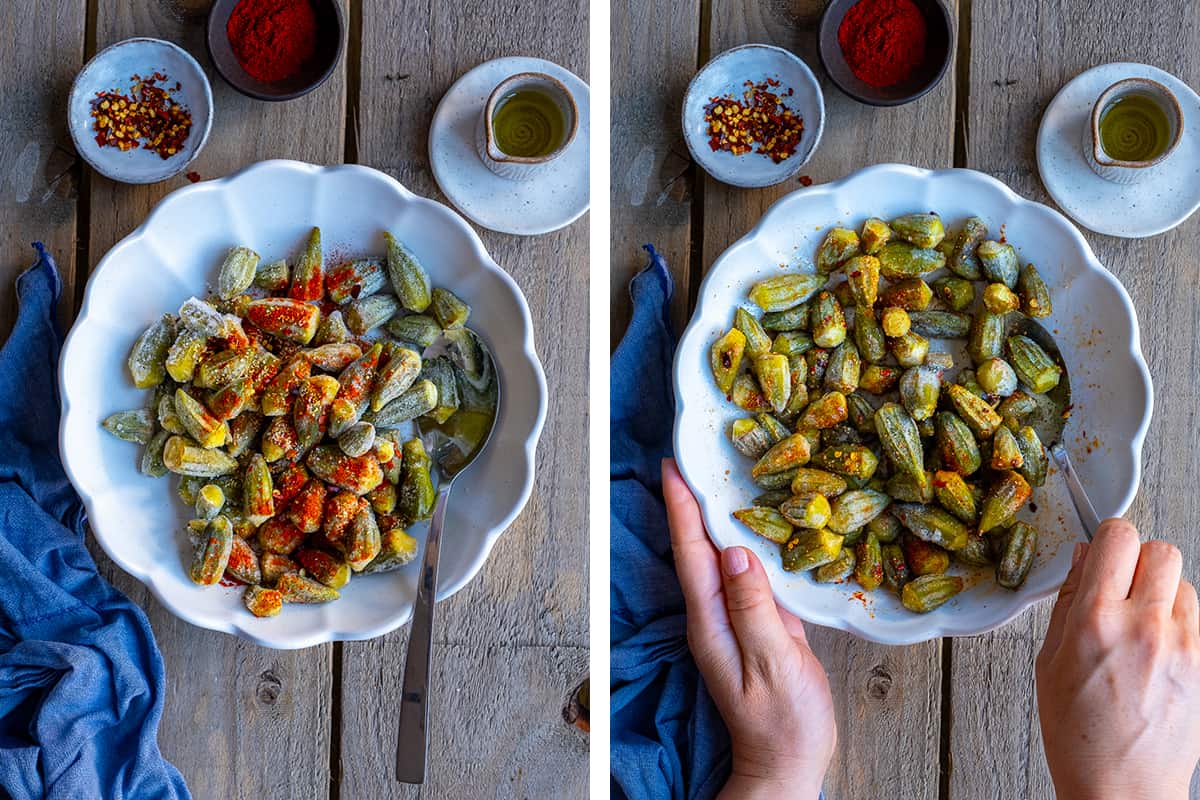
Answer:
(793, 625)
(1066, 598)
(1187, 608)
(696, 561)
(752, 612)
(1112, 559)
(1156, 578)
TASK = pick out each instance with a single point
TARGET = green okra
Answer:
(855, 509)
(999, 262)
(868, 566)
(838, 246)
(809, 548)
(932, 524)
(408, 277)
(899, 260)
(936, 324)
(828, 323)
(273, 277)
(875, 234)
(1020, 550)
(415, 329)
(368, 313)
(308, 278)
(147, 359)
(210, 555)
(928, 592)
(237, 272)
(766, 522)
(1035, 297)
(397, 548)
(420, 398)
(356, 279)
(152, 464)
(131, 426)
(416, 485)
(1033, 366)
(901, 440)
(963, 260)
(920, 230)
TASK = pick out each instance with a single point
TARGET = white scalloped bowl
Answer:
(1094, 323)
(176, 253)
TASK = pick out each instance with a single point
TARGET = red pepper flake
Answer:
(804, 179)
(147, 116)
(194, 176)
(759, 122)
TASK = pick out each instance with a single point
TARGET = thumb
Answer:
(755, 619)
(1066, 599)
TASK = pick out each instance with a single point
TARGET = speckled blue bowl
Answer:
(726, 75)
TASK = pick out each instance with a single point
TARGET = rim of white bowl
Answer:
(232, 625)
(944, 625)
(103, 168)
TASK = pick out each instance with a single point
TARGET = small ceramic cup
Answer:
(1127, 172)
(524, 168)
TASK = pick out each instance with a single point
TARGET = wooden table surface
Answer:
(242, 721)
(956, 718)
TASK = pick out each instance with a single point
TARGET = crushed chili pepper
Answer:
(193, 176)
(759, 122)
(148, 116)
(805, 180)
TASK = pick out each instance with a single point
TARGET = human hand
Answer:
(1118, 677)
(767, 684)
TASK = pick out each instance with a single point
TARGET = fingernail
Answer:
(734, 560)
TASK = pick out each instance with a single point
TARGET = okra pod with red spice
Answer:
(351, 280)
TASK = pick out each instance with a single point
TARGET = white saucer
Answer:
(551, 200)
(1159, 202)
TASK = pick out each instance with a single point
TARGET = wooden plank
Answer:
(41, 49)
(888, 698)
(654, 44)
(240, 720)
(512, 645)
(996, 745)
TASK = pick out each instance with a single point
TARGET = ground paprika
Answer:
(883, 40)
(273, 38)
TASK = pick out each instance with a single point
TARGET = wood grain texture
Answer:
(654, 52)
(996, 746)
(240, 721)
(510, 646)
(888, 698)
(41, 49)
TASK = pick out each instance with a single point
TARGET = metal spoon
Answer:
(1050, 418)
(453, 446)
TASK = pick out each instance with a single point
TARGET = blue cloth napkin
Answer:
(81, 679)
(668, 740)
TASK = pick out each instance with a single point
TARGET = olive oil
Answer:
(528, 124)
(1134, 128)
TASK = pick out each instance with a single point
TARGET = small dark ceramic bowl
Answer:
(330, 42)
(939, 51)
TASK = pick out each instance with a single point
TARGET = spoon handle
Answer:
(1083, 505)
(414, 699)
